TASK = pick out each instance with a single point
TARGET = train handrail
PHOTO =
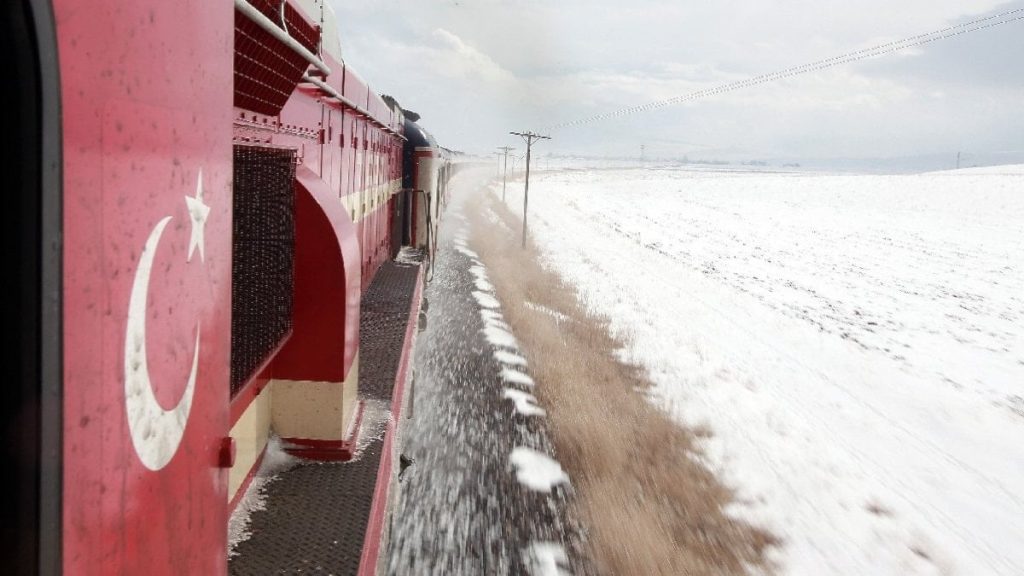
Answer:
(325, 87)
(282, 34)
(274, 30)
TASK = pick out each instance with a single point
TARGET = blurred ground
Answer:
(463, 507)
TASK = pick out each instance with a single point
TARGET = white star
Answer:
(199, 212)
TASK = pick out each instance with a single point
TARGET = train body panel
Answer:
(147, 260)
(229, 193)
(333, 138)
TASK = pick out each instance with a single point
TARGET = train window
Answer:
(262, 274)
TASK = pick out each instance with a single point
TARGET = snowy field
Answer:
(854, 343)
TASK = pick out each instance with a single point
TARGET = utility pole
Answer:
(958, 160)
(504, 179)
(529, 137)
(642, 147)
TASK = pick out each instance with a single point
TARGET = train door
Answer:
(378, 188)
(335, 136)
(360, 186)
(368, 255)
(346, 159)
(365, 197)
(325, 119)
(382, 226)
(382, 186)
(377, 211)
(390, 200)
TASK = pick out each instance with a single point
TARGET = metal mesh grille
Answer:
(267, 71)
(263, 263)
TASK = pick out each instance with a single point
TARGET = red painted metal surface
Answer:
(378, 510)
(255, 88)
(228, 452)
(347, 153)
(143, 117)
(149, 101)
(338, 158)
(327, 279)
(355, 88)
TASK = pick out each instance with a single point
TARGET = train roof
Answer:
(418, 137)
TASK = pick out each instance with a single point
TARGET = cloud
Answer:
(455, 58)
(479, 68)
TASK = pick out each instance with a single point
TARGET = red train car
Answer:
(205, 189)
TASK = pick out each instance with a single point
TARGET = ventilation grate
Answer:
(263, 262)
(267, 71)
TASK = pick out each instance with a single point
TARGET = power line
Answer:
(862, 54)
(504, 180)
(530, 138)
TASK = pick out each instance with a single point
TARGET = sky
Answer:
(477, 69)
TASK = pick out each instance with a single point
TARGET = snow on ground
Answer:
(536, 470)
(376, 415)
(1011, 170)
(466, 251)
(275, 461)
(855, 343)
(408, 255)
(558, 316)
(509, 358)
(499, 337)
(514, 376)
(479, 273)
(498, 324)
(525, 404)
(485, 300)
(546, 559)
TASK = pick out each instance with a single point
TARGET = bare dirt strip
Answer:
(651, 507)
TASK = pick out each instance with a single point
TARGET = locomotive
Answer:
(206, 190)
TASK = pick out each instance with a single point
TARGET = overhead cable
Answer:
(862, 54)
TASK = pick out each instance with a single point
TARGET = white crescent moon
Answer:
(156, 433)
